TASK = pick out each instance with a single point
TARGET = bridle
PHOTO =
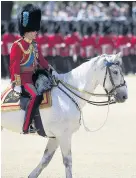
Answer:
(108, 70)
(108, 94)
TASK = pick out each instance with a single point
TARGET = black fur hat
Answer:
(29, 19)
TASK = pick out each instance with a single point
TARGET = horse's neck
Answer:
(83, 77)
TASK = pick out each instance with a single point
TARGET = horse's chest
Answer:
(65, 106)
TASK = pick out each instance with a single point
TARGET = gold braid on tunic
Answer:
(25, 52)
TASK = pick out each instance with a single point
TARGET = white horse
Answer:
(63, 118)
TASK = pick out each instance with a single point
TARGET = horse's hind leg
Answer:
(51, 147)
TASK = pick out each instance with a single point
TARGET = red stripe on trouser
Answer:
(30, 106)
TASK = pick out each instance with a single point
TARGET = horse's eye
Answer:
(115, 72)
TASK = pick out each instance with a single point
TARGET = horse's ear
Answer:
(118, 58)
(119, 54)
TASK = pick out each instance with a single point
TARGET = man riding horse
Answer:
(25, 59)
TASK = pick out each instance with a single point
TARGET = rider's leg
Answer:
(31, 106)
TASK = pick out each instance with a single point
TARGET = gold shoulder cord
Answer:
(25, 51)
(17, 77)
(16, 41)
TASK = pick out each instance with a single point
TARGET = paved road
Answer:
(108, 153)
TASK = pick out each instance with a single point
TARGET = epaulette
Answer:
(16, 41)
(21, 47)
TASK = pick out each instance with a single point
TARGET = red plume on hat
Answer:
(29, 19)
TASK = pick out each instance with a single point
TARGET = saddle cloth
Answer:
(10, 100)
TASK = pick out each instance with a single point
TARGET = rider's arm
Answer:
(15, 59)
(43, 62)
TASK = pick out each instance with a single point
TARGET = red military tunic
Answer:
(55, 41)
(133, 41)
(71, 40)
(42, 41)
(88, 46)
(24, 58)
(8, 39)
(105, 40)
(122, 40)
(133, 45)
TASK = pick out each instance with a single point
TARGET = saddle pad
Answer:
(10, 100)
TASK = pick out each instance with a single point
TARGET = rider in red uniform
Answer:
(8, 39)
(25, 58)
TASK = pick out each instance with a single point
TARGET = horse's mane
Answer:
(78, 71)
(85, 69)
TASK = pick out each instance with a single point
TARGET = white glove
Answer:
(18, 89)
(50, 67)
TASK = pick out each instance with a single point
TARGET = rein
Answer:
(83, 91)
(108, 94)
(102, 103)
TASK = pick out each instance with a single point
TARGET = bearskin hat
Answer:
(29, 19)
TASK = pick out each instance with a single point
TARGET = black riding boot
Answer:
(37, 103)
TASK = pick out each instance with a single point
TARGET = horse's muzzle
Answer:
(121, 98)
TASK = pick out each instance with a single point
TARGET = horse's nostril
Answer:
(124, 97)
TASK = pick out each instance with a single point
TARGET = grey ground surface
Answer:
(108, 153)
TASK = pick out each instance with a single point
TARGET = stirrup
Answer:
(32, 129)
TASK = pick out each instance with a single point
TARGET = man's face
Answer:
(34, 34)
(31, 35)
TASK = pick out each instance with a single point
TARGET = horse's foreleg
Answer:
(65, 145)
(51, 147)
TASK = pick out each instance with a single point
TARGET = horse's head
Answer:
(113, 80)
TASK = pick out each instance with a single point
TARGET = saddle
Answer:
(11, 101)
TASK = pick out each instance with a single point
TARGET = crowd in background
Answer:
(82, 10)
(82, 38)
(105, 31)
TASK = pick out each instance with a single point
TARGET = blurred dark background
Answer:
(74, 32)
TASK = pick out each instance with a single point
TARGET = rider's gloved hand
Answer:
(50, 69)
(18, 89)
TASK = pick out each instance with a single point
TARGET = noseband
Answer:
(108, 70)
